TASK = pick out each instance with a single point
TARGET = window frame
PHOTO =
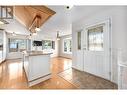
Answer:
(70, 38)
(18, 48)
(87, 39)
(52, 45)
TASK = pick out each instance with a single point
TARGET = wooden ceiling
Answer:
(27, 15)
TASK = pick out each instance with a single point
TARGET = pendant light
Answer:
(38, 23)
(30, 36)
(57, 37)
(34, 34)
(13, 34)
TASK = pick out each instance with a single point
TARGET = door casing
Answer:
(107, 32)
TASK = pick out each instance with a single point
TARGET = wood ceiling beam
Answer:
(27, 14)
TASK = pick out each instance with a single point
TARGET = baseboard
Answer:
(39, 80)
(65, 57)
(76, 68)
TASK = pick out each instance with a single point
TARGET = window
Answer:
(17, 45)
(67, 45)
(1, 41)
(95, 39)
(47, 44)
(5, 12)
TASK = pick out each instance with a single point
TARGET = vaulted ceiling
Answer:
(32, 16)
(61, 21)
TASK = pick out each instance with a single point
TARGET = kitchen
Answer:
(35, 55)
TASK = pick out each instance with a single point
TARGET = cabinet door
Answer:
(0, 56)
(1, 45)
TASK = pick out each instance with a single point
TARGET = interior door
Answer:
(97, 50)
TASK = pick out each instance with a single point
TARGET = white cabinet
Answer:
(37, 67)
(2, 46)
(1, 56)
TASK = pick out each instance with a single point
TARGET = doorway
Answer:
(97, 49)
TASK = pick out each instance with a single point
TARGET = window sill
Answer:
(67, 52)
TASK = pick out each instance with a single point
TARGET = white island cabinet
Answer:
(37, 66)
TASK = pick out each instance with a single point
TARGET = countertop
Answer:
(35, 53)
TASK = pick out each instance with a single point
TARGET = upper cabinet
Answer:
(32, 17)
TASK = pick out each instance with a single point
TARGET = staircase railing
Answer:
(122, 69)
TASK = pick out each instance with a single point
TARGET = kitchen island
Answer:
(37, 66)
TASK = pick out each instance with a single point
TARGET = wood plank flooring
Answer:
(12, 75)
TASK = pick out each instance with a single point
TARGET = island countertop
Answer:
(35, 53)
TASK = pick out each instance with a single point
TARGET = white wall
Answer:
(118, 16)
(61, 47)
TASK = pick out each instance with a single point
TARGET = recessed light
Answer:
(69, 7)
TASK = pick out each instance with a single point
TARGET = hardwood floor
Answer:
(12, 75)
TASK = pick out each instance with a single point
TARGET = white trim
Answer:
(103, 22)
(69, 38)
(31, 83)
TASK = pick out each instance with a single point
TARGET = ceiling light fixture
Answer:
(1, 22)
(38, 23)
(34, 34)
(13, 34)
(37, 29)
(30, 36)
(57, 37)
(69, 7)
